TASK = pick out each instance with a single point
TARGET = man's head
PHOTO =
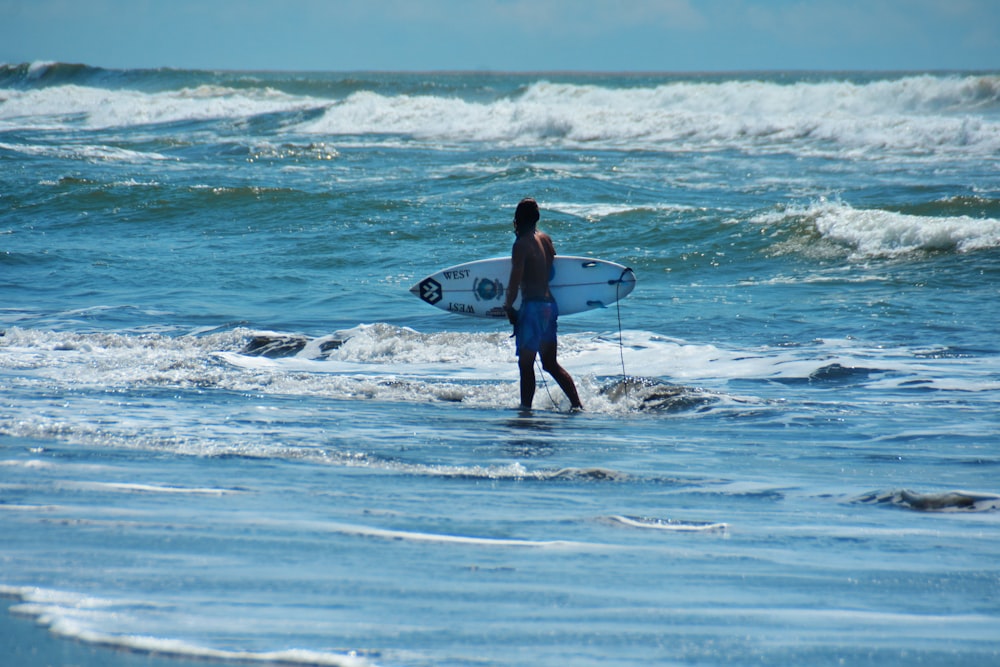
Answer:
(526, 215)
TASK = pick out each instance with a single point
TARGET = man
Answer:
(535, 324)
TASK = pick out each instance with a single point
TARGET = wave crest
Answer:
(909, 115)
(872, 233)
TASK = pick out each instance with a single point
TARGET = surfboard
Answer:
(477, 289)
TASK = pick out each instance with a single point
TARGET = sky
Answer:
(506, 35)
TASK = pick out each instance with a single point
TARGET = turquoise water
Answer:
(228, 430)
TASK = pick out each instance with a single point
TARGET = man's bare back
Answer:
(531, 259)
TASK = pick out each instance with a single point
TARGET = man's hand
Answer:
(511, 314)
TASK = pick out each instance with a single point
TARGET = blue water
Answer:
(791, 446)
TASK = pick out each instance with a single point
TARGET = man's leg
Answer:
(562, 376)
(526, 364)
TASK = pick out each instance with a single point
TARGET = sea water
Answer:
(228, 430)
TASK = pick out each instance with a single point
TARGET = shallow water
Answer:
(790, 448)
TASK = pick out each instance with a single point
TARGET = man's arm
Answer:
(551, 246)
(550, 249)
(517, 260)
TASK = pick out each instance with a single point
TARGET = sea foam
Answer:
(910, 116)
(79, 617)
(870, 233)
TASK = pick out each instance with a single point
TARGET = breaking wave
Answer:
(831, 229)
(903, 115)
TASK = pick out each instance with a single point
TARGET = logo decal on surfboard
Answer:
(430, 291)
(486, 289)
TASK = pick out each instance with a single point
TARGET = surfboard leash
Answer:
(621, 345)
(545, 385)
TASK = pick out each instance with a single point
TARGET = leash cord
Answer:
(545, 385)
(621, 345)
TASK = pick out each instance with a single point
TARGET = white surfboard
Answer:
(478, 288)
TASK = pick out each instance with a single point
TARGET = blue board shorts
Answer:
(536, 324)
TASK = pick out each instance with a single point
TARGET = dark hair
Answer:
(526, 215)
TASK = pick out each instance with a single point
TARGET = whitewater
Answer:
(229, 433)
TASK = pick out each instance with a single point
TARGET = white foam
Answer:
(869, 233)
(33, 464)
(911, 116)
(669, 525)
(90, 152)
(598, 211)
(97, 108)
(82, 618)
(124, 487)
(440, 538)
(877, 233)
(389, 363)
(7, 507)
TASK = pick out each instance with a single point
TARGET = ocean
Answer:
(229, 432)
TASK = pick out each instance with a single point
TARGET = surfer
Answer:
(535, 323)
